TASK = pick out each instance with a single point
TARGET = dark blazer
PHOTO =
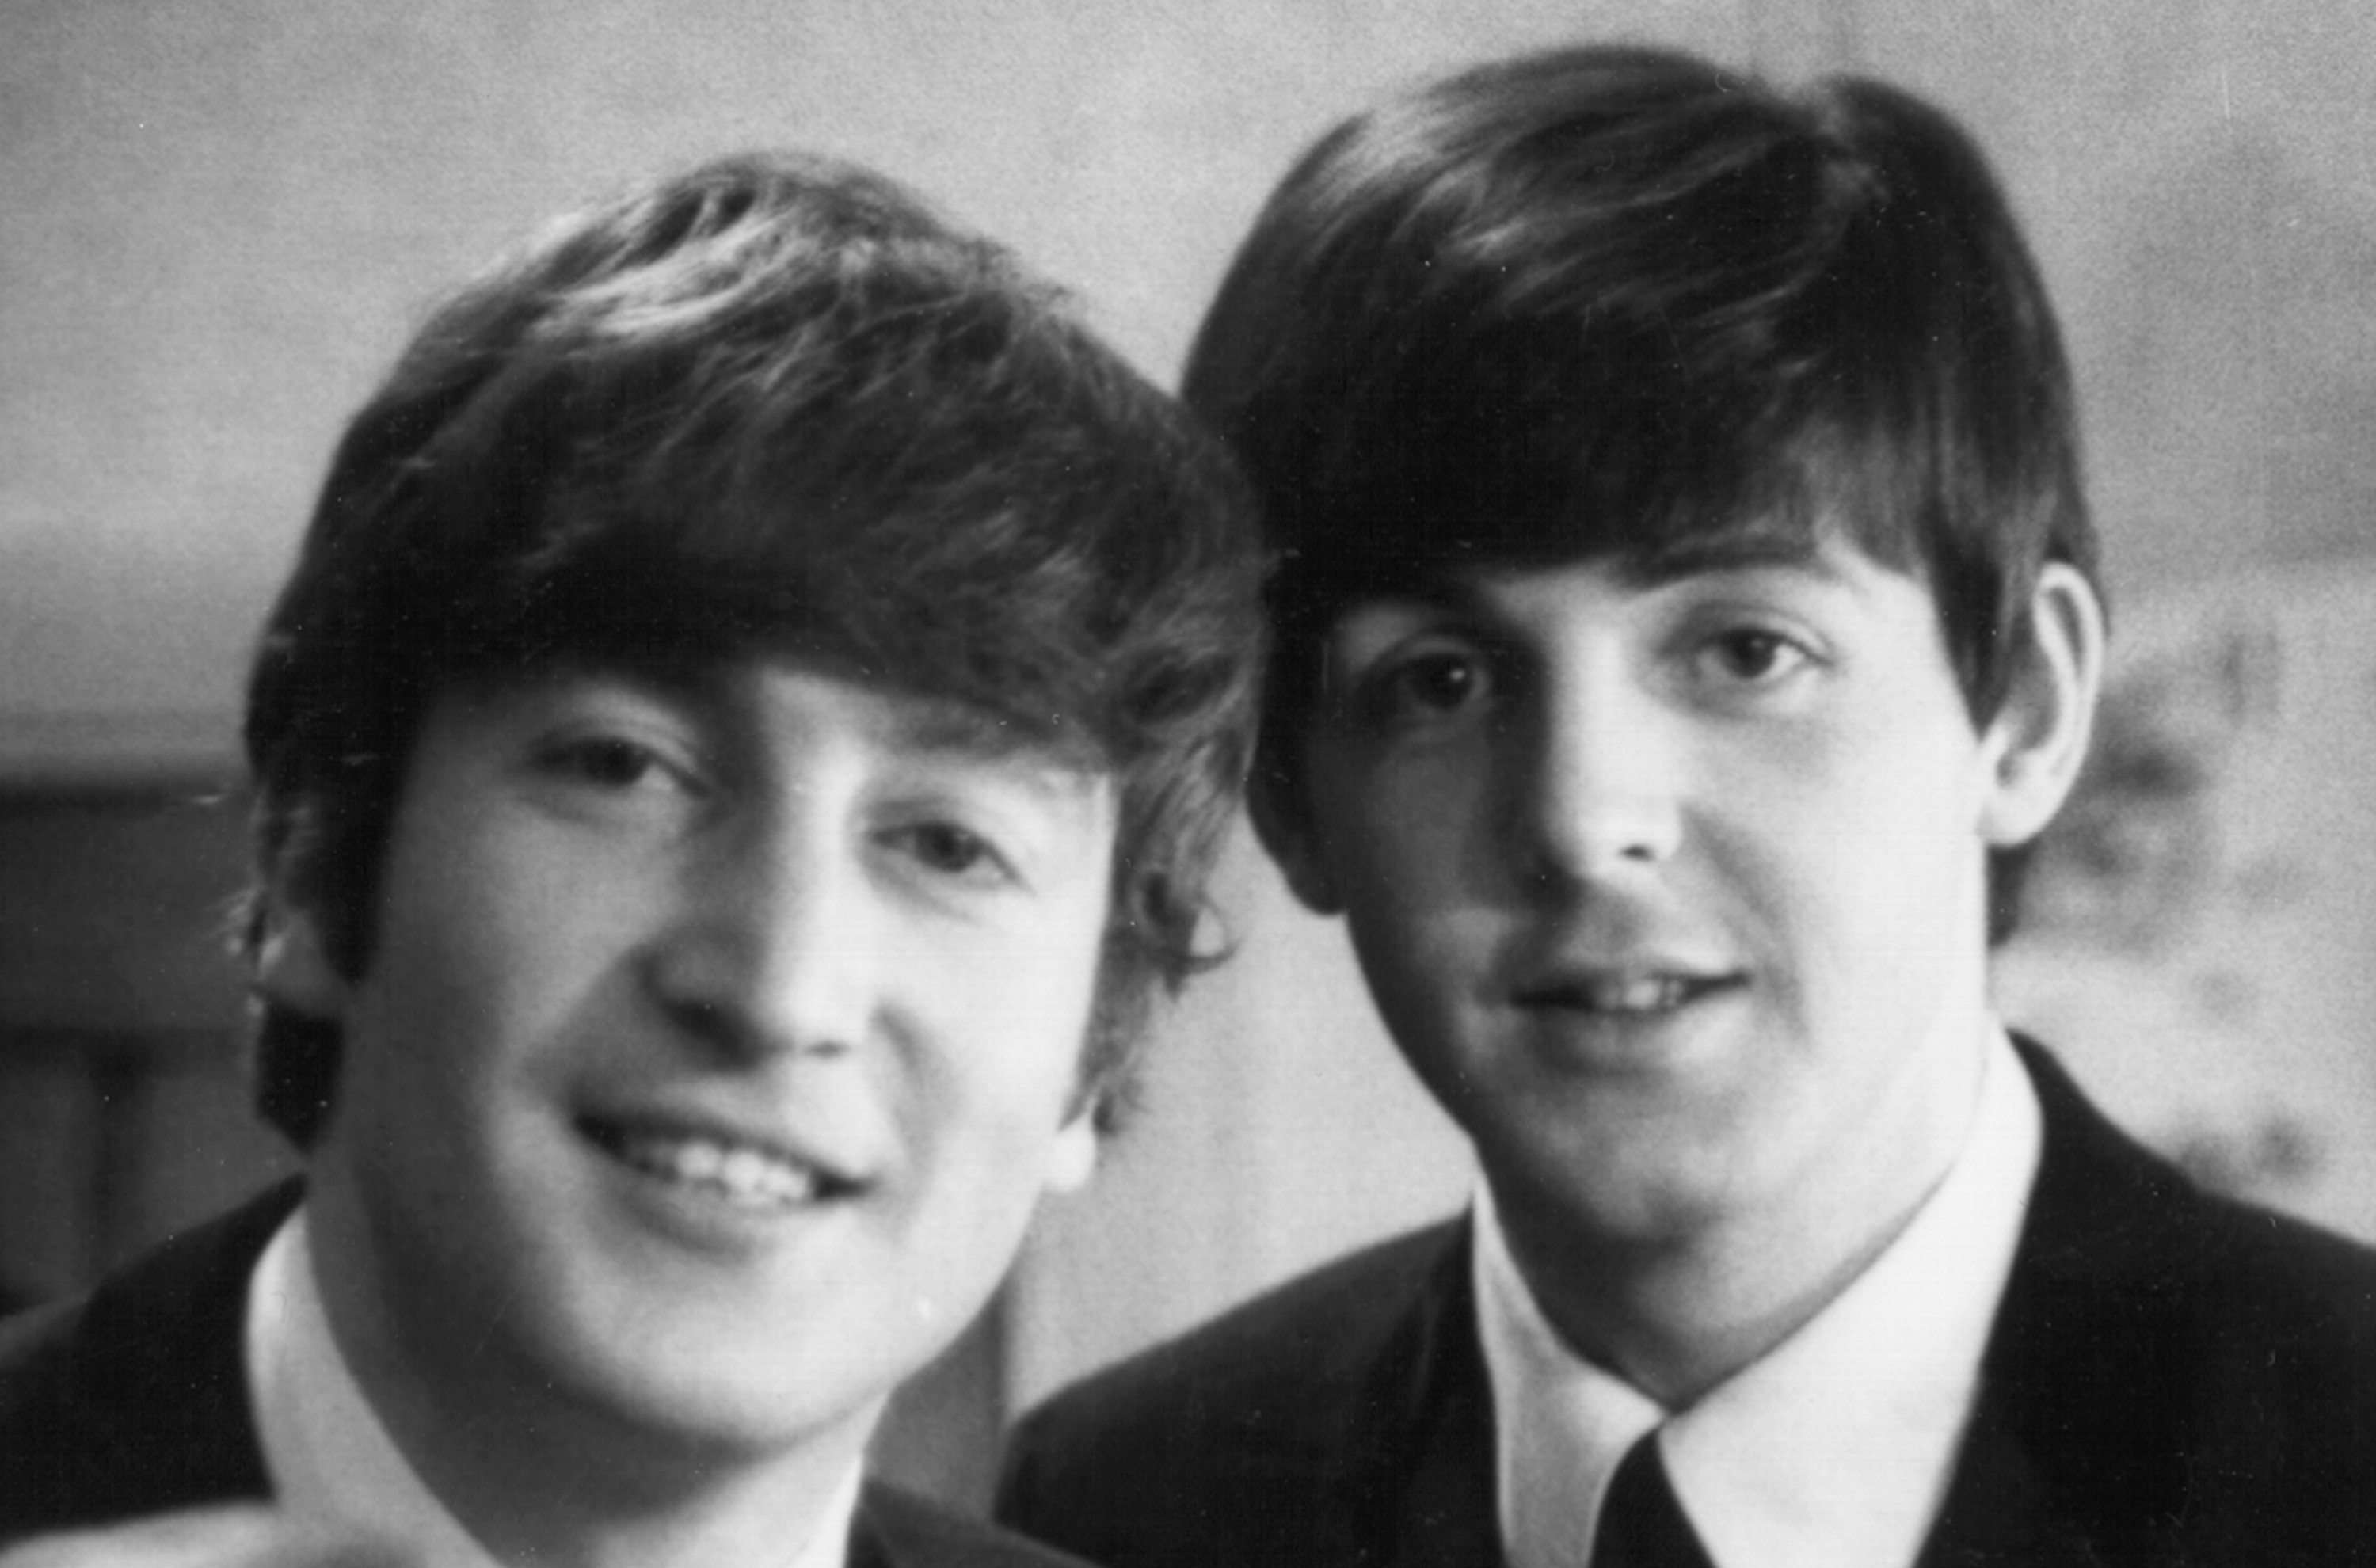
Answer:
(2171, 1378)
(133, 1399)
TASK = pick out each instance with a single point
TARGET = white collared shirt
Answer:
(331, 1460)
(1835, 1447)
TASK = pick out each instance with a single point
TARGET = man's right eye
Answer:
(1426, 686)
(616, 765)
(606, 760)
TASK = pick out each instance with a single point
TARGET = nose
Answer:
(1594, 786)
(774, 953)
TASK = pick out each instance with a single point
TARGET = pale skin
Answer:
(623, 920)
(1673, 893)
(717, 1038)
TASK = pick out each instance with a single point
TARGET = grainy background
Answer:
(217, 220)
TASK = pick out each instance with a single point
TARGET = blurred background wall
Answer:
(217, 220)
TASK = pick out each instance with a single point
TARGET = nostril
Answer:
(1564, 849)
(703, 1018)
(747, 1010)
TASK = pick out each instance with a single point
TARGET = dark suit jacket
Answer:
(2171, 1378)
(132, 1400)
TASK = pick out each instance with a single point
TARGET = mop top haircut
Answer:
(772, 408)
(1615, 302)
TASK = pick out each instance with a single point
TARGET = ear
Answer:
(1074, 1156)
(2039, 738)
(292, 960)
(1275, 803)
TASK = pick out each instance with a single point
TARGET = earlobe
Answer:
(292, 962)
(2039, 738)
(1285, 831)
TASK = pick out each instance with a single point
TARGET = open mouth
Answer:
(1627, 995)
(744, 1174)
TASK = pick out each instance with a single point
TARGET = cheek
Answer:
(477, 956)
(1869, 865)
(999, 1086)
(1000, 1027)
(1398, 840)
(985, 1118)
(1411, 852)
(420, 1051)
(446, 968)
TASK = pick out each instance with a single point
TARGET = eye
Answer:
(605, 764)
(1429, 684)
(608, 762)
(949, 849)
(1751, 656)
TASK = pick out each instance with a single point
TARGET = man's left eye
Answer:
(607, 761)
(952, 850)
(1751, 654)
(1434, 685)
(616, 765)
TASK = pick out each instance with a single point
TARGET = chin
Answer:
(725, 1412)
(1635, 1190)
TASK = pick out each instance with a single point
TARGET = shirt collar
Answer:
(1837, 1445)
(332, 1461)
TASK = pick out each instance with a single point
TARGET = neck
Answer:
(536, 1482)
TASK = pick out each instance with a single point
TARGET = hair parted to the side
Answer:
(1616, 302)
(771, 406)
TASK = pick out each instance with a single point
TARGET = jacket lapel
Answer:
(1999, 1511)
(2080, 1422)
(2076, 1425)
(1414, 1488)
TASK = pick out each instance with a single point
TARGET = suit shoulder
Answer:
(2238, 1379)
(30, 1343)
(37, 1418)
(1319, 1329)
(2286, 1290)
(2108, 1210)
(894, 1528)
(2185, 1364)
(1218, 1446)
(133, 1398)
(2110, 1214)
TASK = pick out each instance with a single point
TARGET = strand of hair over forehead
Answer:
(741, 235)
(962, 308)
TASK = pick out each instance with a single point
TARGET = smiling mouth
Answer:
(1627, 995)
(744, 1174)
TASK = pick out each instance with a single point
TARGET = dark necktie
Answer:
(1642, 1525)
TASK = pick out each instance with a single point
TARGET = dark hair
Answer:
(1617, 301)
(770, 405)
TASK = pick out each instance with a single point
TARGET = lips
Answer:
(746, 1172)
(1624, 992)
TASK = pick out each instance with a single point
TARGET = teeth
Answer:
(1635, 993)
(746, 1175)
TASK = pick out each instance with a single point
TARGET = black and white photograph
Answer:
(1270, 783)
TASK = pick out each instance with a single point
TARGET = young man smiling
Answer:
(742, 745)
(1688, 613)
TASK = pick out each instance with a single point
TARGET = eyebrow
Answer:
(954, 732)
(924, 722)
(1466, 592)
(1744, 549)
(961, 729)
